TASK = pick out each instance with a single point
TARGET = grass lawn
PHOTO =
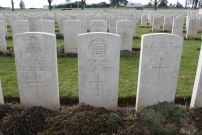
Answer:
(68, 70)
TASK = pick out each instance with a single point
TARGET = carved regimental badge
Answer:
(98, 47)
(34, 48)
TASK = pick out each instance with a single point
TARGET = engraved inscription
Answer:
(98, 82)
(162, 45)
(34, 48)
(36, 82)
(160, 67)
(98, 47)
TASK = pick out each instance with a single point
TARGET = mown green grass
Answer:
(68, 70)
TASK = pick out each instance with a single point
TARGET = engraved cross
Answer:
(36, 82)
(160, 68)
(98, 84)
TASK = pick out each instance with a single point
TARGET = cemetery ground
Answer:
(80, 119)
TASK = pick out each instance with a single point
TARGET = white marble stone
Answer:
(84, 23)
(37, 71)
(192, 28)
(167, 24)
(1, 95)
(125, 29)
(20, 26)
(177, 26)
(71, 30)
(98, 65)
(196, 99)
(156, 24)
(33, 23)
(61, 23)
(200, 24)
(46, 26)
(3, 47)
(112, 24)
(98, 26)
(144, 20)
(134, 24)
(158, 69)
(13, 18)
(5, 25)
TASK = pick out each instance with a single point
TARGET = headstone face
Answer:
(13, 18)
(196, 100)
(3, 47)
(134, 24)
(1, 95)
(20, 26)
(177, 26)
(33, 23)
(46, 26)
(98, 26)
(156, 24)
(158, 70)
(83, 24)
(61, 23)
(167, 24)
(125, 29)
(37, 72)
(5, 25)
(192, 28)
(112, 24)
(98, 64)
(144, 20)
(71, 30)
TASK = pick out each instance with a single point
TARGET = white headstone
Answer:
(192, 28)
(167, 24)
(98, 26)
(177, 26)
(37, 72)
(1, 95)
(46, 26)
(125, 29)
(143, 20)
(98, 64)
(134, 24)
(20, 26)
(112, 24)
(158, 69)
(156, 24)
(71, 30)
(5, 25)
(33, 23)
(3, 47)
(196, 100)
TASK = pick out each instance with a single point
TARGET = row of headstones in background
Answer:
(20, 26)
(73, 27)
(98, 70)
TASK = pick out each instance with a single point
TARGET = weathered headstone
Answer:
(125, 29)
(143, 20)
(156, 24)
(98, 26)
(167, 24)
(177, 26)
(37, 72)
(71, 30)
(1, 95)
(20, 26)
(5, 25)
(192, 28)
(158, 69)
(112, 24)
(46, 26)
(33, 23)
(2, 38)
(196, 99)
(98, 65)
